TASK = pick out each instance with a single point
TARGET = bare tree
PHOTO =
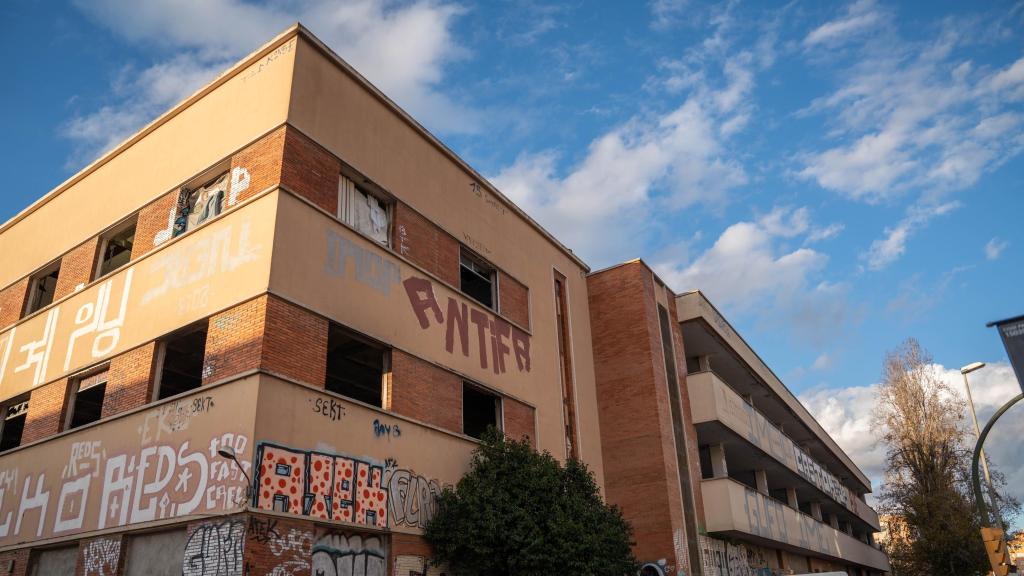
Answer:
(928, 454)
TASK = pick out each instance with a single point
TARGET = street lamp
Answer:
(977, 432)
(229, 453)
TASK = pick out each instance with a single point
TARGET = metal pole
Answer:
(984, 461)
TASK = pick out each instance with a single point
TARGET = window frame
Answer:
(122, 226)
(161, 358)
(32, 296)
(499, 406)
(75, 387)
(386, 365)
(368, 188)
(479, 261)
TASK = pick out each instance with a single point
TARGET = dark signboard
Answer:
(1012, 331)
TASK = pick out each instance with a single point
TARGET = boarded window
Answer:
(54, 562)
(13, 423)
(116, 248)
(86, 404)
(156, 553)
(480, 410)
(42, 287)
(181, 367)
(356, 367)
(363, 211)
(476, 278)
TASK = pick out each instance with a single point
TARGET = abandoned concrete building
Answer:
(294, 311)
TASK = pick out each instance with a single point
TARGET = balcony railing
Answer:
(711, 399)
(732, 507)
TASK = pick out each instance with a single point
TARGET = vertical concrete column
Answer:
(761, 479)
(791, 498)
(849, 528)
(718, 466)
(833, 521)
(816, 511)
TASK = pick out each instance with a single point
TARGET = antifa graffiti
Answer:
(215, 549)
(496, 338)
(324, 486)
(337, 554)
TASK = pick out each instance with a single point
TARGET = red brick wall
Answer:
(46, 409)
(152, 219)
(519, 420)
(638, 457)
(295, 342)
(234, 340)
(263, 161)
(425, 392)
(425, 244)
(130, 380)
(20, 558)
(514, 297)
(291, 539)
(12, 302)
(310, 171)
(76, 267)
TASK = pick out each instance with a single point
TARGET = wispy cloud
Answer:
(860, 17)
(206, 37)
(891, 247)
(994, 248)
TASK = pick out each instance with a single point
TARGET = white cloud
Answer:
(888, 249)
(861, 16)
(605, 205)
(994, 248)
(822, 362)
(401, 47)
(846, 414)
(666, 13)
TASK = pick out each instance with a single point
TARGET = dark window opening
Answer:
(13, 423)
(476, 279)
(355, 367)
(41, 288)
(116, 248)
(480, 410)
(183, 355)
(692, 364)
(706, 470)
(87, 404)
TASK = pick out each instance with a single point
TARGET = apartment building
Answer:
(260, 335)
(721, 470)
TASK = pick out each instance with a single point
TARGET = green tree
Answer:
(519, 512)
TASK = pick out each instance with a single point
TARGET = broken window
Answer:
(197, 205)
(355, 367)
(480, 410)
(116, 248)
(476, 278)
(86, 405)
(41, 288)
(13, 423)
(181, 365)
(363, 211)
(53, 561)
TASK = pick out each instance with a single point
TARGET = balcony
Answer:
(159, 464)
(745, 513)
(716, 406)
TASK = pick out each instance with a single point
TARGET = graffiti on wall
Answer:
(408, 565)
(320, 485)
(413, 498)
(721, 558)
(215, 549)
(100, 557)
(371, 268)
(291, 548)
(496, 340)
(337, 554)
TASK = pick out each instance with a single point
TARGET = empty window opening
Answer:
(356, 367)
(197, 204)
(42, 287)
(476, 278)
(363, 211)
(182, 365)
(87, 399)
(13, 423)
(116, 248)
(480, 410)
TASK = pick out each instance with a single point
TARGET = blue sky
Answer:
(836, 177)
